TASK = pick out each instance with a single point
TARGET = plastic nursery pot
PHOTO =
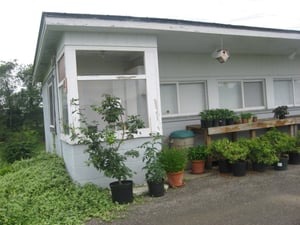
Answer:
(259, 167)
(122, 192)
(239, 168)
(156, 189)
(282, 164)
(294, 158)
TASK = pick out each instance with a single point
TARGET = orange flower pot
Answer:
(175, 179)
(198, 166)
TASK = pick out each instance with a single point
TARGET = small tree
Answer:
(103, 146)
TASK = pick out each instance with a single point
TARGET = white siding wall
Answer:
(186, 66)
(75, 159)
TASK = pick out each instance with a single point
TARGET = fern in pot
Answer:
(103, 146)
(155, 174)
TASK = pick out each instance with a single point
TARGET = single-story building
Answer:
(165, 70)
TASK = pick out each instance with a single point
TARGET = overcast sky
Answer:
(20, 19)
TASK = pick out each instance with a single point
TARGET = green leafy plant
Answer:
(154, 169)
(219, 147)
(246, 115)
(261, 151)
(236, 151)
(199, 152)
(280, 112)
(20, 145)
(173, 160)
(232, 151)
(280, 141)
(103, 146)
(40, 191)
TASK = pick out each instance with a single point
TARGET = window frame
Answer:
(292, 79)
(144, 132)
(242, 81)
(178, 83)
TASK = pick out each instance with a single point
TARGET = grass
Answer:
(40, 191)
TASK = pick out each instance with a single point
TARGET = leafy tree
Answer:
(20, 100)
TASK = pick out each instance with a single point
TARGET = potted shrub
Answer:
(206, 118)
(280, 112)
(245, 117)
(219, 147)
(155, 174)
(198, 155)
(173, 161)
(237, 153)
(294, 154)
(254, 118)
(229, 116)
(261, 154)
(103, 146)
(282, 144)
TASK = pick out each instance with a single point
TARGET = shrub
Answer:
(19, 145)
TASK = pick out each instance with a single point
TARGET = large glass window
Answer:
(286, 92)
(242, 94)
(118, 73)
(183, 98)
(51, 104)
(63, 96)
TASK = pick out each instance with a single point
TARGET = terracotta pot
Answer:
(175, 179)
(254, 119)
(245, 120)
(198, 166)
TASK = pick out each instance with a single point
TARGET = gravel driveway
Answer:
(272, 197)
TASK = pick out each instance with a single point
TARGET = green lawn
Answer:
(39, 191)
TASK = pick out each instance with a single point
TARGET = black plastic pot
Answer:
(239, 168)
(224, 166)
(156, 189)
(259, 167)
(122, 192)
(282, 164)
(294, 158)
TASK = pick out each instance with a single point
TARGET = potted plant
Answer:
(294, 154)
(261, 154)
(254, 118)
(206, 118)
(237, 153)
(155, 174)
(103, 146)
(282, 144)
(218, 148)
(245, 117)
(280, 112)
(173, 161)
(198, 155)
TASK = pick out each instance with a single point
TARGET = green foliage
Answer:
(20, 99)
(173, 160)
(280, 112)
(199, 152)
(233, 151)
(246, 115)
(219, 147)
(39, 191)
(280, 141)
(19, 145)
(103, 146)
(153, 166)
(261, 151)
